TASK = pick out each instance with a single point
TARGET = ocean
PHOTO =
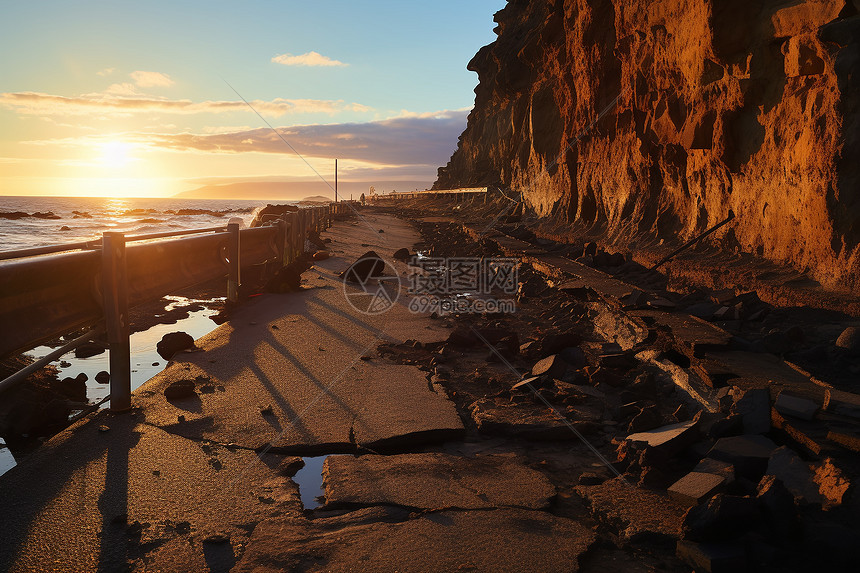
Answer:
(60, 220)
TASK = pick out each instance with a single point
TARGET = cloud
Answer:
(426, 139)
(105, 72)
(151, 79)
(121, 99)
(314, 59)
(123, 89)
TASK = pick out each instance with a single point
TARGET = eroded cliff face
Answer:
(748, 105)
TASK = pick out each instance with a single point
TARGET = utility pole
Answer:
(335, 180)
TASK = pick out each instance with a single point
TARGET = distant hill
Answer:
(316, 199)
(296, 190)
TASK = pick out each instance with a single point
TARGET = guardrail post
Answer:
(233, 278)
(115, 295)
(283, 242)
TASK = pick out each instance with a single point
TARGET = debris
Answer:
(668, 440)
(794, 406)
(842, 403)
(636, 514)
(721, 518)
(754, 406)
(712, 557)
(849, 340)
(795, 475)
(832, 483)
(789, 433)
(749, 454)
(847, 441)
(694, 487)
(553, 366)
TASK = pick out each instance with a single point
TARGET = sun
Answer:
(115, 154)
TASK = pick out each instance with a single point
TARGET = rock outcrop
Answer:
(710, 106)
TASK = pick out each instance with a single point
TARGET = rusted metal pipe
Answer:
(23, 373)
(693, 241)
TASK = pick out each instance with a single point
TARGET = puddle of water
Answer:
(145, 361)
(309, 480)
(7, 460)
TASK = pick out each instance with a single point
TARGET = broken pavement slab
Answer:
(636, 514)
(694, 487)
(802, 408)
(533, 422)
(434, 481)
(667, 440)
(479, 540)
(748, 453)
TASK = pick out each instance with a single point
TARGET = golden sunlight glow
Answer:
(115, 154)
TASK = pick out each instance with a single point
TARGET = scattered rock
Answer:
(174, 342)
(103, 377)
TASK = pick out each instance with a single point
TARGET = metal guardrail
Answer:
(43, 297)
(429, 193)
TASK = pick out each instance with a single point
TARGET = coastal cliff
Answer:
(710, 106)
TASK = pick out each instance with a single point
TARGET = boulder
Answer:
(174, 342)
(367, 266)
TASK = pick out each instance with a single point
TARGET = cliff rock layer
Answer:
(711, 105)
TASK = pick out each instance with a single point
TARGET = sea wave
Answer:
(41, 221)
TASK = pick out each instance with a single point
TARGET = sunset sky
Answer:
(132, 98)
